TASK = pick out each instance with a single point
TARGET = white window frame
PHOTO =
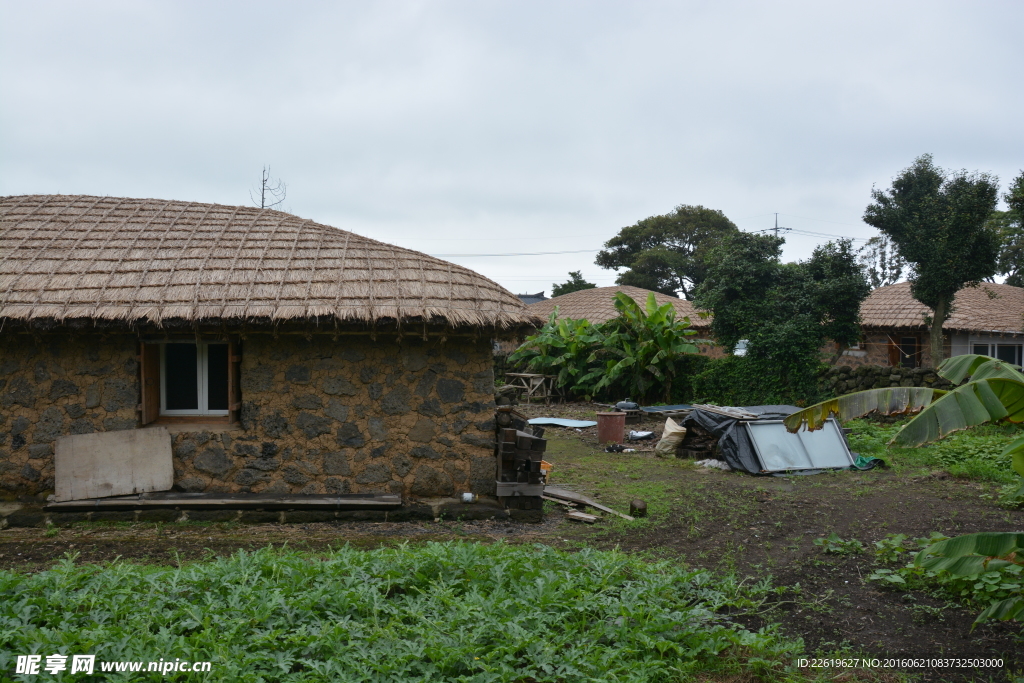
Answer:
(991, 344)
(202, 370)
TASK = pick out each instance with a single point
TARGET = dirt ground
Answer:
(757, 526)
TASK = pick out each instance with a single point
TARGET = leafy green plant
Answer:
(982, 570)
(646, 345)
(995, 392)
(990, 564)
(437, 612)
(564, 348)
(640, 353)
(892, 548)
(835, 545)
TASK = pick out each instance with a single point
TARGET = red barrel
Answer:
(611, 427)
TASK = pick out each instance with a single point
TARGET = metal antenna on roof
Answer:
(271, 193)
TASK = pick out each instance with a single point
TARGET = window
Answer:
(908, 352)
(194, 379)
(1010, 353)
(189, 378)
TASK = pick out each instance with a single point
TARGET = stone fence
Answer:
(843, 379)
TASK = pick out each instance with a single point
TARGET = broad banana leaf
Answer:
(966, 406)
(997, 368)
(973, 553)
(892, 401)
(1004, 610)
(958, 368)
(1015, 449)
(977, 553)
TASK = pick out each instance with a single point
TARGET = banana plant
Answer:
(646, 344)
(995, 392)
(974, 554)
(563, 347)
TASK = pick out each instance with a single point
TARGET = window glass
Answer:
(217, 377)
(980, 349)
(1008, 353)
(181, 370)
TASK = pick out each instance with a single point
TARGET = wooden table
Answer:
(532, 386)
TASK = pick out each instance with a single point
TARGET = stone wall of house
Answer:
(846, 379)
(352, 416)
(874, 349)
(57, 385)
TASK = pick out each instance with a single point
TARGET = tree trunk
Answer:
(838, 354)
(938, 317)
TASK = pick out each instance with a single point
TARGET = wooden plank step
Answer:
(582, 517)
(574, 497)
(205, 501)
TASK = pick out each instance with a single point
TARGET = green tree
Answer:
(574, 284)
(1010, 226)
(785, 311)
(939, 223)
(668, 253)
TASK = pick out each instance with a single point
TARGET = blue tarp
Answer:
(666, 409)
(560, 422)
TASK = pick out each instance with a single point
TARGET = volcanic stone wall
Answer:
(319, 415)
(59, 385)
(352, 416)
(844, 379)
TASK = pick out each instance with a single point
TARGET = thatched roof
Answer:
(149, 260)
(598, 305)
(985, 308)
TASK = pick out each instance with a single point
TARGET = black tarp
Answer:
(734, 441)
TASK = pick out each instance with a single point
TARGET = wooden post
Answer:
(150, 364)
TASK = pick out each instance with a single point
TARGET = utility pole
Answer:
(777, 228)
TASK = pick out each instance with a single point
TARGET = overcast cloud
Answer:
(493, 127)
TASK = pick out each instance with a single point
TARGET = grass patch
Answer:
(439, 612)
(969, 454)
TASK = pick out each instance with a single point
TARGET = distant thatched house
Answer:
(987, 319)
(282, 355)
(598, 305)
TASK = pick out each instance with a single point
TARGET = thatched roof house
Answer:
(282, 354)
(150, 261)
(987, 319)
(598, 305)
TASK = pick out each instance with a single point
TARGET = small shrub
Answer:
(837, 546)
(978, 589)
(893, 548)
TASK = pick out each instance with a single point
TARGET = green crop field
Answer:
(454, 611)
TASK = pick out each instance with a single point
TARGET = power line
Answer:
(528, 253)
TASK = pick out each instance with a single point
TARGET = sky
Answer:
(479, 129)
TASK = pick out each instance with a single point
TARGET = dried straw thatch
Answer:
(146, 260)
(989, 307)
(598, 305)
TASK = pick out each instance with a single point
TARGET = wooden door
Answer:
(150, 364)
(894, 353)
